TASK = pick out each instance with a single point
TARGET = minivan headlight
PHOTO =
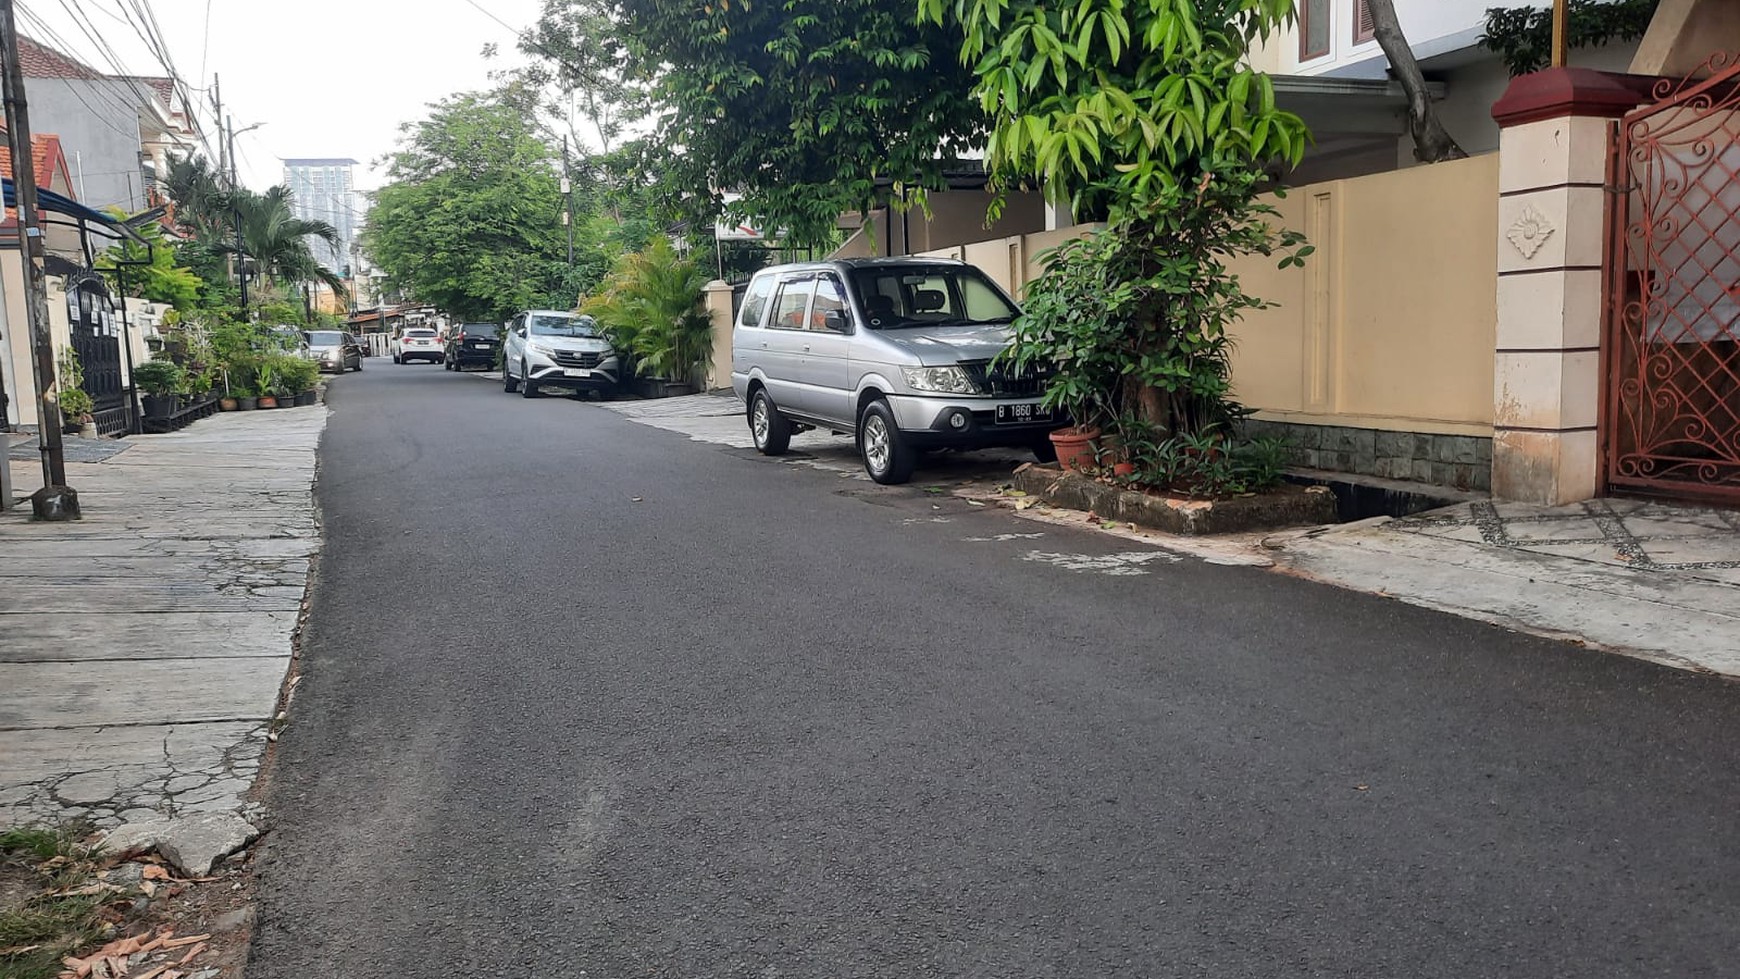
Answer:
(939, 380)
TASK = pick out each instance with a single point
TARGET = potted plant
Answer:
(300, 375)
(246, 400)
(160, 380)
(199, 385)
(75, 411)
(266, 381)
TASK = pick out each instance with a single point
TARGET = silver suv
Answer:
(547, 348)
(894, 351)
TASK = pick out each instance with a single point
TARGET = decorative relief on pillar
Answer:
(1530, 232)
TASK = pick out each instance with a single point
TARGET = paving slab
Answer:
(166, 635)
(143, 648)
(96, 694)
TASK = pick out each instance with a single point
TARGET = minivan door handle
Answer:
(806, 348)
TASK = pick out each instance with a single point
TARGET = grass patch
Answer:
(46, 925)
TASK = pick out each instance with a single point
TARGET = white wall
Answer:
(98, 126)
(1431, 26)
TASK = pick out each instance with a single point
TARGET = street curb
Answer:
(1288, 506)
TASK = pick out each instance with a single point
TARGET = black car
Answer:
(472, 345)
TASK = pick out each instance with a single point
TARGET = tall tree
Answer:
(202, 203)
(276, 241)
(808, 108)
(1151, 107)
(1432, 142)
(470, 217)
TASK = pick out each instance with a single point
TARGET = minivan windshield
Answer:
(560, 325)
(325, 338)
(898, 297)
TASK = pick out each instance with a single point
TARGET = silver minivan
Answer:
(895, 351)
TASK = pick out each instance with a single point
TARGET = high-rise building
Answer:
(323, 190)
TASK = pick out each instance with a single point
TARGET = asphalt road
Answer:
(585, 698)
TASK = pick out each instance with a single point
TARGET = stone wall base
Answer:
(1462, 462)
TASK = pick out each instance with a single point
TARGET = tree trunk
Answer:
(1432, 144)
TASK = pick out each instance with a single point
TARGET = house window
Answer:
(1363, 30)
(1313, 29)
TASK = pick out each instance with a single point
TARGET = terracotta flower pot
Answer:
(266, 401)
(226, 404)
(1123, 469)
(1075, 447)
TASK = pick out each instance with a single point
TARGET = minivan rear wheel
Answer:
(888, 457)
(770, 429)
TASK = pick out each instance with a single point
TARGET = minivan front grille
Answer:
(1003, 381)
(568, 358)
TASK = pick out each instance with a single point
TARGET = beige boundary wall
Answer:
(1378, 357)
(1391, 324)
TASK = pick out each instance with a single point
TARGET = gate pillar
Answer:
(1553, 158)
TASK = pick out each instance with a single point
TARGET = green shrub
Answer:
(651, 309)
(160, 377)
(298, 374)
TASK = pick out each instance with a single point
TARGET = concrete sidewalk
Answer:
(142, 649)
(1653, 580)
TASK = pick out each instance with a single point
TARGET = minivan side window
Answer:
(755, 301)
(830, 298)
(793, 304)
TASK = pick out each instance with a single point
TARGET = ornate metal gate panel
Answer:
(1671, 414)
(96, 338)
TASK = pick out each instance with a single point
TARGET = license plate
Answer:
(1022, 414)
(574, 373)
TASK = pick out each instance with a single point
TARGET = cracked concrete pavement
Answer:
(142, 649)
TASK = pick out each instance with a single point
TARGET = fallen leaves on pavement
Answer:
(138, 957)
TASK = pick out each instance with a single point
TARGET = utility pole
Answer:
(48, 420)
(1561, 36)
(236, 210)
(217, 108)
(567, 202)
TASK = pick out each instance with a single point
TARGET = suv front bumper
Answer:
(930, 423)
(606, 376)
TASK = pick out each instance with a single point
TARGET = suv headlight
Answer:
(539, 348)
(939, 380)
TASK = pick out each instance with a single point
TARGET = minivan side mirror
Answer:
(836, 321)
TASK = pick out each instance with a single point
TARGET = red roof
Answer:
(41, 61)
(47, 154)
(164, 87)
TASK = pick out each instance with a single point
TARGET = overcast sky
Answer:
(329, 78)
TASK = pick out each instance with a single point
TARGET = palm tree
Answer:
(277, 241)
(202, 205)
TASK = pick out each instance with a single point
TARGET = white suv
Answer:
(418, 343)
(554, 349)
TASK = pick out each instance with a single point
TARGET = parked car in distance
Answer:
(417, 343)
(547, 348)
(334, 350)
(897, 352)
(472, 345)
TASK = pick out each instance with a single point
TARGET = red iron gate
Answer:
(1671, 417)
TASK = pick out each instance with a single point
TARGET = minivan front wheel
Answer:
(888, 457)
(770, 429)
